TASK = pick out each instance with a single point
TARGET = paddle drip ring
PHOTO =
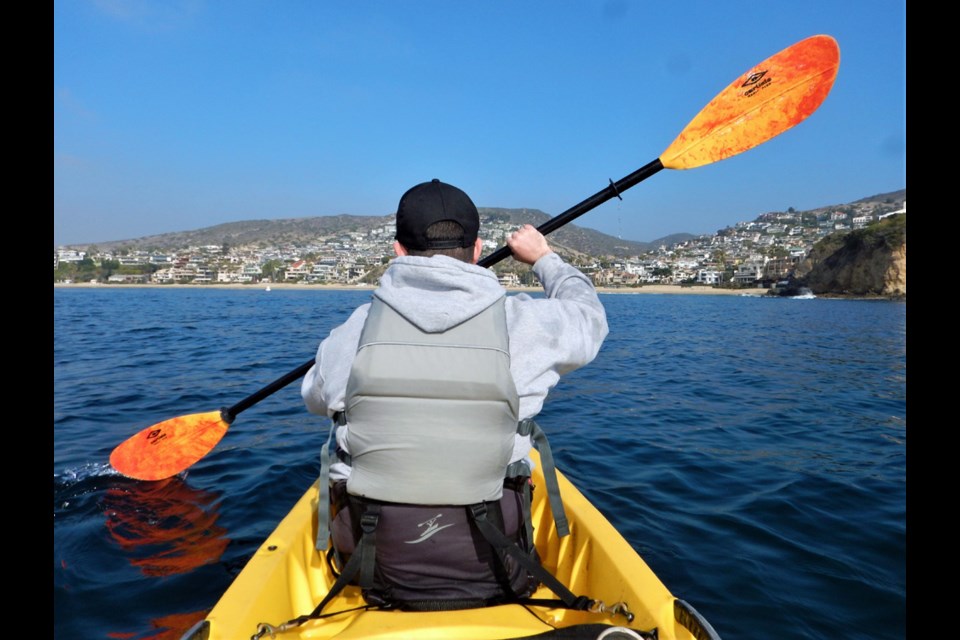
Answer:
(614, 187)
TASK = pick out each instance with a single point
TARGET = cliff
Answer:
(867, 262)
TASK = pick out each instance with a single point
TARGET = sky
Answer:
(177, 115)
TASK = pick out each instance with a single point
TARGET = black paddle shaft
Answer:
(228, 414)
(594, 201)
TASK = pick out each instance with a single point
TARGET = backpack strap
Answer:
(502, 543)
(522, 469)
(361, 562)
(368, 543)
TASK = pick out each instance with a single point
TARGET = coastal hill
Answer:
(300, 231)
(864, 262)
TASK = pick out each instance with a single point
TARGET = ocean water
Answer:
(752, 450)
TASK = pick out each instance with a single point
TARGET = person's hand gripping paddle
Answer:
(762, 103)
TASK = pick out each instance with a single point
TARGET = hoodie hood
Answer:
(438, 292)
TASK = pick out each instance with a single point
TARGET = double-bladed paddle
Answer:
(767, 100)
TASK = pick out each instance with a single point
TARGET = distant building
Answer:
(708, 276)
(70, 255)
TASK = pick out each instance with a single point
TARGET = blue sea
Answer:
(751, 449)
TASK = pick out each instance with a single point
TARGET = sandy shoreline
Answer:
(279, 286)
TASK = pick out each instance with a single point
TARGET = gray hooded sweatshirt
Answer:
(548, 336)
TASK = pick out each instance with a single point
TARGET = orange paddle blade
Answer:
(770, 98)
(168, 447)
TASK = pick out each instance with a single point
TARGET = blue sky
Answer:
(182, 114)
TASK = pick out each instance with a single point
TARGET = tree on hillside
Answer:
(272, 269)
(720, 257)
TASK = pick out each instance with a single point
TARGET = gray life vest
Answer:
(432, 421)
(431, 417)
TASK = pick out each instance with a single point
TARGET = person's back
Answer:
(428, 384)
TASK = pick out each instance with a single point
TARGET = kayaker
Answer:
(426, 385)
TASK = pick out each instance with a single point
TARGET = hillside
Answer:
(302, 231)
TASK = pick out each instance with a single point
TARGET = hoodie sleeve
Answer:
(324, 387)
(554, 335)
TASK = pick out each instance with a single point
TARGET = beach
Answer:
(278, 286)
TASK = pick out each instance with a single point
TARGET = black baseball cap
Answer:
(430, 202)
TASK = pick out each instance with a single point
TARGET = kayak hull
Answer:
(287, 577)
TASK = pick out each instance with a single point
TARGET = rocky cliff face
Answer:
(866, 262)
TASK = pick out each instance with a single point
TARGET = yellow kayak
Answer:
(287, 577)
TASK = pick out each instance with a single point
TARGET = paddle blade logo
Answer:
(755, 83)
(155, 436)
(754, 78)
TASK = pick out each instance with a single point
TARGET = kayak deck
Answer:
(287, 577)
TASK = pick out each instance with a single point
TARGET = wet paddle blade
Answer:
(168, 447)
(767, 100)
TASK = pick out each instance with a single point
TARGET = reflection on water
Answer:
(164, 534)
(164, 527)
(171, 627)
